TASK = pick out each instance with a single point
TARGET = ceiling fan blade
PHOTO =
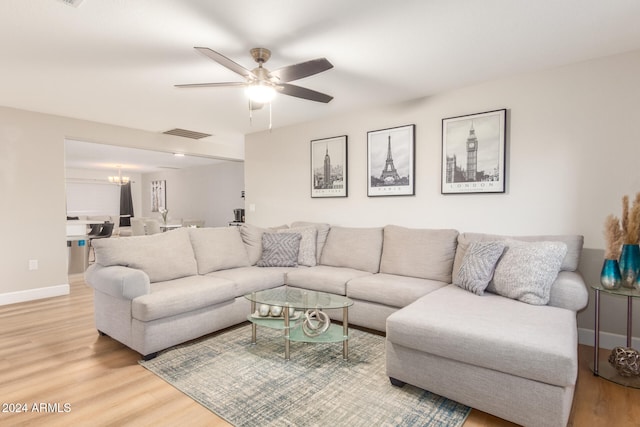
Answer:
(303, 69)
(223, 84)
(226, 62)
(304, 93)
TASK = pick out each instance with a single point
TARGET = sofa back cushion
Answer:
(357, 248)
(570, 262)
(218, 248)
(163, 256)
(423, 253)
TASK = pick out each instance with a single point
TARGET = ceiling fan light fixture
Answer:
(260, 93)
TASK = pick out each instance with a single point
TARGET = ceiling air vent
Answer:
(187, 133)
(74, 3)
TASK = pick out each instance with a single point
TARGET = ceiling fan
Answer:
(261, 84)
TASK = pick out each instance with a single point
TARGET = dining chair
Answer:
(137, 227)
(105, 232)
(152, 226)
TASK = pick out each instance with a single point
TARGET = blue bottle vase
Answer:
(610, 275)
(629, 265)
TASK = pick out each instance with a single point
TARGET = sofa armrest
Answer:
(569, 291)
(118, 281)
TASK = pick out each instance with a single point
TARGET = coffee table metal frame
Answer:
(300, 299)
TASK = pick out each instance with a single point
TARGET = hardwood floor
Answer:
(53, 362)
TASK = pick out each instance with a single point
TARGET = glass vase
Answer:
(610, 275)
(629, 265)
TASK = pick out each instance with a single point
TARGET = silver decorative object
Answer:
(626, 360)
(316, 323)
(263, 310)
(276, 311)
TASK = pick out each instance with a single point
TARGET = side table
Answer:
(608, 372)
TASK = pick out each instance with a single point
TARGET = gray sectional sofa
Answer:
(510, 350)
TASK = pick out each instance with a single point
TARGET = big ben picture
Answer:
(473, 153)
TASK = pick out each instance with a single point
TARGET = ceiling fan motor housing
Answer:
(260, 54)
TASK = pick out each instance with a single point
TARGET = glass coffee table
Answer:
(300, 314)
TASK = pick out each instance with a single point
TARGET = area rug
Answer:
(252, 385)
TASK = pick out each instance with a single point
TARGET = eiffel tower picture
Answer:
(389, 173)
(391, 164)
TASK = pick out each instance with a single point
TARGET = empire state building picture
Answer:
(473, 153)
(329, 167)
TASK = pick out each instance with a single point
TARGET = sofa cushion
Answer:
(356, 248)
(218, 248)
(180, 296)
(279, 250)
(390, 289)
(493, 332)
(423, 253)
(308, 244)
(527, 270)
(570, 263)
(323, 231)
(163, 256)
(253, 279)
(323, 278)
(478, 266)
(252, 238)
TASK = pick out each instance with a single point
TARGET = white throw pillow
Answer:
(527, 270)
(478, 266)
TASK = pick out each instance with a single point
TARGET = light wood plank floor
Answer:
(50, 353)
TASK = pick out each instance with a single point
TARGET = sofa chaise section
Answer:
(515, 360)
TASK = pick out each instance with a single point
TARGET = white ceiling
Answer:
(87, 155)
(116, 61)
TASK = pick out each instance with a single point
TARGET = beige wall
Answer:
(572, 153)
(32, 193)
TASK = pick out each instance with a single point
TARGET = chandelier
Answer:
(119, 180)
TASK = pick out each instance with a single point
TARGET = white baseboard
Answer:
(607, 339)
(34, 294)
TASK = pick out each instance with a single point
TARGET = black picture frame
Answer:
(474, 153)
(329, 161)
(391, 161)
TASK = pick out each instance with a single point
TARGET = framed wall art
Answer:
(391, 162)
(329, 167)
(473, 153)
(158, 195)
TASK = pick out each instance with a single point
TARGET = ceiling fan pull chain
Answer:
(250, 113)
(270, 125)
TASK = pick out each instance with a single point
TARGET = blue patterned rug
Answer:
(252, 385)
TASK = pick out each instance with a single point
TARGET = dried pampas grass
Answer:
(613, 236)
(631, 220)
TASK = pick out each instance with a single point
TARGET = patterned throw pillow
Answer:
(279, 250)
(478, 266)
(307, 252)
(528, 269)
